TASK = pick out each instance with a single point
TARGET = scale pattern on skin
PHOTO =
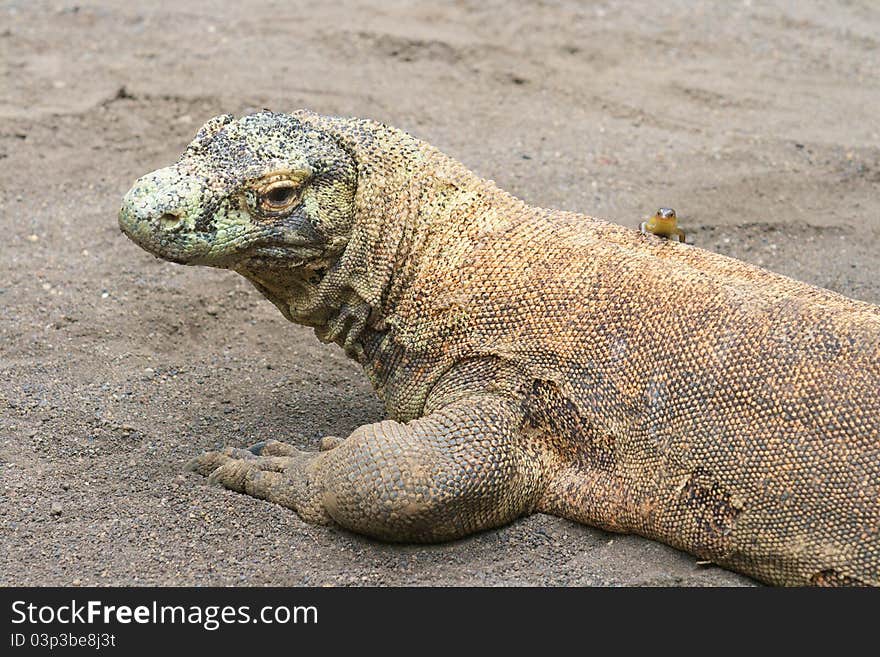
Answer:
(533, 359)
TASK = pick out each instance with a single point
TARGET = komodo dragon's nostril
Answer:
(169, 221)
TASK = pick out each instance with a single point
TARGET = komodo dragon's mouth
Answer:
(173, 216)
(162, 214)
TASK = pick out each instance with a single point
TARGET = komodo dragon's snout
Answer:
(524, 356)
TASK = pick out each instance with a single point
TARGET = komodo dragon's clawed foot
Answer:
(448, 474)
(278, 473)
(272, 478)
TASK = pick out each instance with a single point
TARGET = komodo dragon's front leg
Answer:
(461, 469)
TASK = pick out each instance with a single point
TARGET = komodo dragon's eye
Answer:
(279, 192)
(279, 196)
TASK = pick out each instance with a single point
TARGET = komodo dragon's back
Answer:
(538, 360)
(729, 411)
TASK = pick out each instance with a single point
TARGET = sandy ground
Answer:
(756, 120)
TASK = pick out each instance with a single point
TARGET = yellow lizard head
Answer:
(663, 222)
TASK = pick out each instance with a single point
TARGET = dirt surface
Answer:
(756, 121)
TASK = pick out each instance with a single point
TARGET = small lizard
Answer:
(663, 223)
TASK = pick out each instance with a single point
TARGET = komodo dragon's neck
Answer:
(411, 202)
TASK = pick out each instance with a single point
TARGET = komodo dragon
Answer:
(532, 359)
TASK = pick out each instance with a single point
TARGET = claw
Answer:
(257, 448)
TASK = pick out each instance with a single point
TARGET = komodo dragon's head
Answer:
(319, 213)
(266, 190)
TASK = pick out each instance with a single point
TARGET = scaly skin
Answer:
(522, 356)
